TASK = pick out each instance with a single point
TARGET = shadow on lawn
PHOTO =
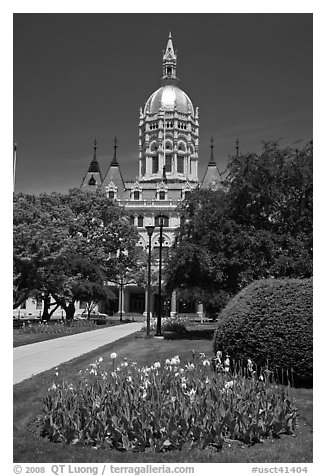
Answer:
(190, 334)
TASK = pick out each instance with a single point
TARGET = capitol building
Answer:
(167, 171)
(168, 149)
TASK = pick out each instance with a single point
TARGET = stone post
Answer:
(173, 311)
(200, 311)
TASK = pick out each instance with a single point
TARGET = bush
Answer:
(174, 324)
(270, 322)
(167, 406)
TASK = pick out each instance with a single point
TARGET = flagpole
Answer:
(15, 161)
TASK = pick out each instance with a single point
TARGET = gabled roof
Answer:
(212, 177)
(113, 173)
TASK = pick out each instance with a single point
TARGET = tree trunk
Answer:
(54, 309)
(46, 308)
(70, 311)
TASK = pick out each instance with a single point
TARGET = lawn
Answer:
(28, 395)
(40, 332)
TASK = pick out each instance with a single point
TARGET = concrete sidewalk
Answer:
(33, 359)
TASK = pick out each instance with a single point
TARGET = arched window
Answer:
(92, 181)
(140, 221)
(168, 163)
(132, 220)
(161, 195)
(111, 194)
(182, 146)
(153, 146)
(180, 164)
(165, 247)
(136, 195)
(155, 164)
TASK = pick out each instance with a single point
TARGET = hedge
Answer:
(270, 321)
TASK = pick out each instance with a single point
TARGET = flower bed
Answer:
(163, 407)
(175, 325)
(31, 333)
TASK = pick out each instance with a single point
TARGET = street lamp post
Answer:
(150, 230)
(159, 316)
(121, 297)
(120, 255)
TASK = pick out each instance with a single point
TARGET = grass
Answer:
(38, 333)
(28, 395)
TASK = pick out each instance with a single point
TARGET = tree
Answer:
(63, 246)
(272, 190)
(40, 237)
(100, 228)
(140, 271)
(196, 263)
(259, 225)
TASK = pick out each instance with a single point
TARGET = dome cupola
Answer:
(168, 128)
(170, 98)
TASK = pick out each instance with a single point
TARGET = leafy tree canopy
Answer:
(258, 225)
(66, 245)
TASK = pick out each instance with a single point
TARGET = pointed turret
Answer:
(93, 177)
(113, 178)
(114, 161)
(94, 165)
(169, 63)
(212, 177)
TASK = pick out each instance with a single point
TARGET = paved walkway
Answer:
(33, 359)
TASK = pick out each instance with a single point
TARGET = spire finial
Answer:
(169, 63)
(237, 147)
(212, 160)
(95, 147)
(15, 162)
(115, 145)
(212, 148)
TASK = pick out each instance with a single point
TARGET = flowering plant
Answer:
(171, 324)
(168, 405)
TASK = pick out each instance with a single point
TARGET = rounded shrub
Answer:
(270, 322)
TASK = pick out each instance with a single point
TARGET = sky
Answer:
(77, 77)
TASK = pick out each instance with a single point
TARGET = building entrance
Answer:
(137, 302)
